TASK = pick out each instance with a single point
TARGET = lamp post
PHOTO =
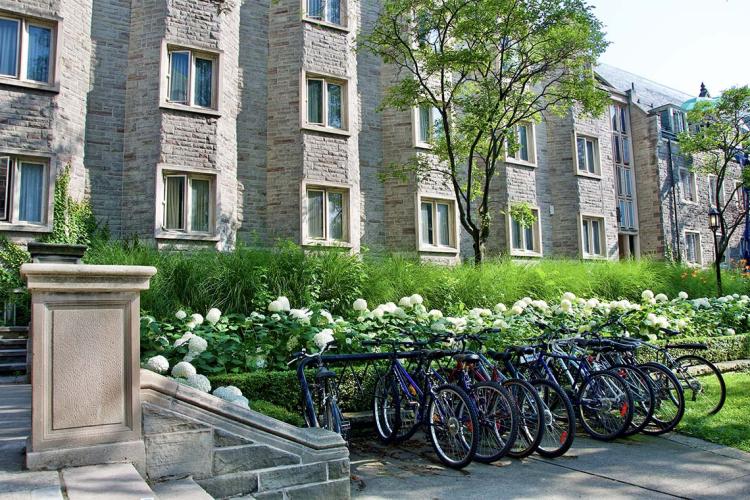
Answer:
(713, 224)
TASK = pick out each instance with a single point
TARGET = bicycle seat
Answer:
(688, 345)
(466, 357)
(500, 356)
(324, 373)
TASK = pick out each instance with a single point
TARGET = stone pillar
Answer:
(85, 364)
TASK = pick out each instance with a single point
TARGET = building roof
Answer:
(648, 94)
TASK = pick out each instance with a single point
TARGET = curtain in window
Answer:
(515, 234)
(204, 82)
(335, 216)
(315, 101)
(4, 184)
(443, 214)
(426, 216)
(424, 124)
(179, 74)
(175, 203)
(334, 106)
(315, 214)
(333, 13)
(30, 197)
(590, 156)
(596, 237)
(692, 243)
(581, 148)
(9, 47)
(315, 9)
(529, 234)
(40, 44)
(613, 115)
(523, 142)
(586, 238)
(200, 197)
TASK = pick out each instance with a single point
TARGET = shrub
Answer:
(277, 412)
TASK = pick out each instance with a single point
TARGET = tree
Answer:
(486, 66)
(720, 132)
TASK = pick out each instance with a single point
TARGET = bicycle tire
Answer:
(531, 419)
(559, 419)
(498, 421)
(604, 400)
(386, 408)
(446, 423)
(692, 387)
(668, 392)
(642, 391)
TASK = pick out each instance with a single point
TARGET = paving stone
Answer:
(181, 489)
(323, 491)
(229, 485)
(114, 481)
(27, 481)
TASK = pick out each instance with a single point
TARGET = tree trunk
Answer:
(478, 250)
(718, 257)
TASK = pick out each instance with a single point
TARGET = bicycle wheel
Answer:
(642, 390)
(605, 406)
(385, 408)
(669, 404)
(530, 424)
(702, 383)
(498, 421)
(559, 419)
(453, 426)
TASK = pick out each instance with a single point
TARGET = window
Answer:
(741, 196)
(192, 77)
(429, 124)
(327, 214)
(524, 145)
(673, 120)
(525, 239)
(26, 49)
(329, 11)
(23, 190)
(693, 247)
(712, 188)
(326, 100)
(592, 236)
(619, 117)
(188, 203)
(436, 223)
(587, 155)
(687, 185)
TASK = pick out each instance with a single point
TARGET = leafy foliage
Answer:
(522, 213)
(12, 256)
(73, 221)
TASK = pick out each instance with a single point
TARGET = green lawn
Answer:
(731, 426)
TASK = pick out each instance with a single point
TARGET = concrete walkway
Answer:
(644, 467)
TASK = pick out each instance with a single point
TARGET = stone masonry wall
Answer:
(650, 216)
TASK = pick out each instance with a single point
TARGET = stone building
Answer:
(207, 122)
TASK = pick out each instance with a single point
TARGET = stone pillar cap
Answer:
(76, 278)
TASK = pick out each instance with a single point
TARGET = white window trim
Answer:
(694, 186)
(345, 112)
(20, 79)
(602, 236)
(597, 174)
(13, 223)
(532, 148)
(672, 111)
(216, 55)
(344, 26)
(348, 211)
(698, 250)
(160, 232)
(537, 231)
(416, 142)
(435, 198)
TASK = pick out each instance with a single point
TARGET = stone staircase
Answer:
(14, 354)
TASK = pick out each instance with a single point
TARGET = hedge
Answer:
(727, 348)
(277, 412)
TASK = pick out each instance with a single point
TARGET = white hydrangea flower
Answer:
(723, 300)
(199, 382)
(197, 345)
(275, 306)
(569, 296)
(348, 341)
(228, 392)
(197, 319)
(516, 310)
(325, 314)
(661, 298)
(527, 300)
(180, 314)
(540, 304)
(730, 331)
(458, 323)
(405, 302)
(301, 315)
(378, 312)
(285, 306)
(416, 299)
(260, 363)
(183, 369)
(500, 308)
(213, 316)
(682, 295)
(241, 401)
(185, 338)
(157, 364)
(647, 295)
(360, 305)
(500, 323)
(650, 319)
(566, 305)
(435, 314)
(257, 316)
(581, 301)
(190, 325)
(276, 317)
(389, 307)
(682, 324)
(323, 338)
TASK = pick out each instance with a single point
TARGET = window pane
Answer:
(4, 185)
(426, 216)
(437, 123)
(315, 101)
(586, 237)
(424, 124)
(590, 156)
(443, 214)
(616, 146)
(523, 143)
(666, 122)
(581, 147)
(9, 47)
(529, 237)
(179, 74)
(315, 214)
(626, 150)
(596, 235)
(333, 13)
(40, 43)
(315, 9)
(515, 230)
(204, 82)
(623, 121)
(334, 106)
(335, 216)
(30, 197)
(200, 198)
(175, 203)
(613, 115)
(627, 183)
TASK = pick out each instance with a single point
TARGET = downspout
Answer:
(676, 228)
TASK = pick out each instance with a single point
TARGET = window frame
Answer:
(531, 144)
(345, 108)
(740, 195)
(12, 222)
(693, 186)
(344, 26)
(722, 197)
(326, 188)
(672, 111)
(536, 232)
(698, 248)
(585, 217)
(215, 55)
(21, 78)
(417, 127)
(597, 173)
(436, 247)
(189, 175)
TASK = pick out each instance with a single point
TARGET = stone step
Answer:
(12, 368)
(223, 438)
(264, 480)
(180, 489)
(111, 481)
(14, 379)
(316, 491)
(13, 343)
(13, 355)
(14, 332)
(250, 457)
